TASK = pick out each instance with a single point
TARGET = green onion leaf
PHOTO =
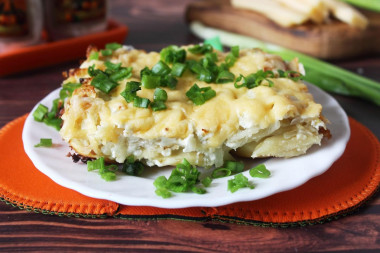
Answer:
(200, 95)
(173, 54)
(141, 102)
(198, 190)
(238, 182)
(158, 105)
(132, 167)
(201, 49)
(94, 55)
(206, 181)
(112, 66)
(215, 43)
(44, 143)
(68, 89)
(103, 83)
(130, 91)
(113, 46)
(221, 172)
(178, 69)
(160, 95)
(234, 167)
(163, 192)
(161, 69)
(106, 52)
(121, 74)
(235, 51)
(260, 171)
(150, 81)
(53, 122)
(168, 81)
(106, 172)
(225, 77)
(40, 113)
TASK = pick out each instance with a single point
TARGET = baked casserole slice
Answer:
(271, 117)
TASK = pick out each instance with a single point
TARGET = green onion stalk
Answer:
(327, 76)
(373, 5)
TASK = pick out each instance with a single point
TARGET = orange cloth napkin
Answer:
(350, 181)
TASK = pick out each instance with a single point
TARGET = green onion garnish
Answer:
(44, 143)
(130, 91)
(161, 69)
(112, 66)
(132, 167)
(238, 182)
(40, 113)
(225, 77)
(53, 122)
(207, 181)
(158, 106)
(173, 54)
(141, 102)
(255, 79)
(201, 49)
(221, 172)
(94, 55)
(103, 83)
(259, 171)
(106, 52)
(113, 46)
(200, 95)
(68, 89)
(106, 172)
(182, 179)
(178, 69)
(160, 95)
(215, 43)
(150, 81)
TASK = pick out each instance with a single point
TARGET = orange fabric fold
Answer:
(346, 185)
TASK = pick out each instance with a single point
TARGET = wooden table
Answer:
(153, 25)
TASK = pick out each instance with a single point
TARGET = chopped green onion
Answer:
(182, 179)
(201, 49)
(215, 43)
(130, 91)
(235, 51)
(163, 192)
(112, 66)
(234, 167)
(198, 190)
(106, 52)
(238, 182)
(121, 74)
(106, 172)
(40, 113)
(160, 94)
(221, 172)
(132, 167)
(113, 46)
(57, 104)
(173, 54)
(200, 95)
(161, 69)
(158, 105)
(260, 171)
(53, 122)
(103, 83)
(141, 102)
(206, 181)
(255, 79)
(178, 69)
(150, 81)
(68, 89)
(168, 81)
(230, 60)
(44, 143)
(94, 55)
(225, 77)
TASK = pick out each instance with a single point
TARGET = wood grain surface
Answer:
(153, 25)
(335, 40)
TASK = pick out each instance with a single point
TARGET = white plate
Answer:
(129, 190)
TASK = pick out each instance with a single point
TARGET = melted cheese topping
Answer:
(98, 124)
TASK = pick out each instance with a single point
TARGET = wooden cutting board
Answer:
(335, 40)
